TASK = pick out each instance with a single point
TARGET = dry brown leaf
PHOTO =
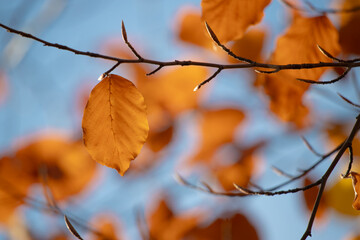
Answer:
(217, 128)
(356, 185)
(114, 125)
(233, 228)
(229, 19)
(298, 45)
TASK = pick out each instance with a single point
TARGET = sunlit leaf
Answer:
(298, 45)
(356, 185)
(107, 226)
(211, 138)
(230, 19)
(340, 197)
(114, 125)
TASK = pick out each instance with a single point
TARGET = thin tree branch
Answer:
(345, 145)
(348, 101)
(346, 175)
(310, 147)
(326, 82)
(207, 80)
(347, 64)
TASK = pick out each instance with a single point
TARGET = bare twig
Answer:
(327, 54)
(227, 50)
(281, 172)
(310, 147)
(155, 70)
(347, 64)
(345, 145)
(207, 80)
(326, 82)
(123, 30)
(319, 10)
(348, 101)
(346, 175)
(71, 228)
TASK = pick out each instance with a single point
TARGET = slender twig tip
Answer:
(241, 189)
(123, 31)
(196, 88)
(102, 76)
(212, 34)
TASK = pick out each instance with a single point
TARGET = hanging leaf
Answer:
(355, 181)
(114, 125)
(230, 19)
(298, 45)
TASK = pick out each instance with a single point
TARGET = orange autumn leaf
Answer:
(337, 133)
(250, 46)
(310, 197)
(349, 23)
(13, 188)
(65, 167)
(174, 89)
(230, 19)
(114, 125)
(232, 228)
(356, 185)
(159, 139)
(239, 172)
(340, 197)
(107, 227)
(217, 128)
(192, 30)
(165, 225)
(298, 45)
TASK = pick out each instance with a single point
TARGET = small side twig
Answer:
(346, 175)
(227, 50)
(124, 34)
(327, 54)
(311, 147)
(208, 80)
(281, 172)
(348, 101)
(71, 228)
(326, 82)
(154, 71)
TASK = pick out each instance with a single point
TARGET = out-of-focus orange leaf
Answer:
(174, 89)
(114, 125)
(250, 46)
(355, 181)
(349, 23)
(337, 133)
(217, 127)
(230, 19)
(240, 172)
(310, 198)
(13, 188)
(286, 98)
(68, 166)
(158, 140)
(192, 30)
(340, 197)
(298, 45)
(107, 227)
(233, 228)
(164, 224)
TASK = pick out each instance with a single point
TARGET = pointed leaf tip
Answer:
(115, 125)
